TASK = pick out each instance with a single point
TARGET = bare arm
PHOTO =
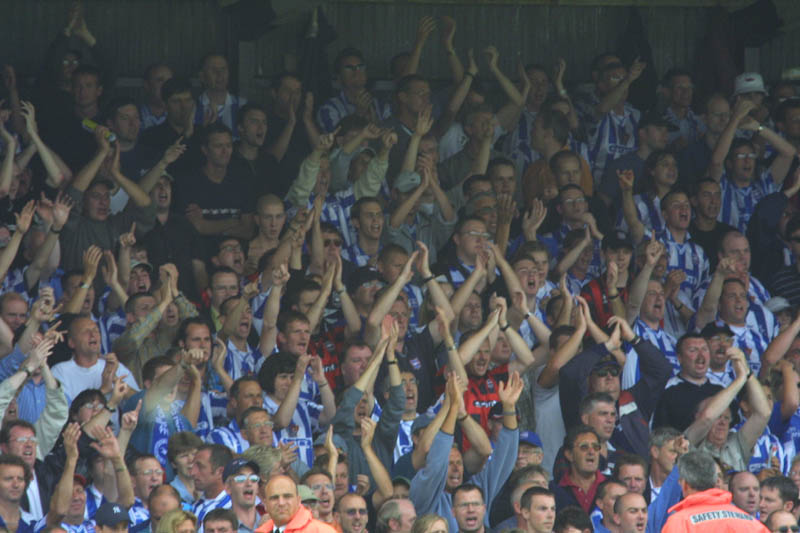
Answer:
(427, 25)
(283, 416)
(384, 303)
(56, 170)
(88, 172)
(618, 94)
(639, 286)
(717, 166)
(383, 482)
(549, 375)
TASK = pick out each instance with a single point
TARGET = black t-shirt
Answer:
(678, 403)
(298, 149)
(263, 173)
(710, 241)
(231, 198)
(137, 162)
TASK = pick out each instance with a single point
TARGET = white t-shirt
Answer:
(76, 379)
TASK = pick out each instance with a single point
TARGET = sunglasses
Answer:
(605, 372)
(241, 478)
(353, 512)
(787, 529)
(334, 242)
(584, 447)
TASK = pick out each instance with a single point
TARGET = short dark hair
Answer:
(786, 488)
(246, 108)
(603, 487)
(131, 302)
(314, 470)
(278, 78)
(560, 331)
(192, 321)
(13, 460)
(175, 86)
(556, 121)
(133, 460)
(5, 431)
(150, 367)
(572, 517)
(735, 145)
(214, 128)
(575, 432)
(116, 103)
(588, 402)
(685, 337)
(779, 115)
(626, 459)
(468, 487)
(279, 363)
(404, 83)
(528, 495)
(344, 54)
(217, 515)
(355, 211)
(220, 455)
(673, 73)
(85, 69)
(287, 317)
(499, 162)
(234, 390)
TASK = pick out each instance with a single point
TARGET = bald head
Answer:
(282, 499)
(777, 519)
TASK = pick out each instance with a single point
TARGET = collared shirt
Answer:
(751, 342)
(202, 507)
(337, 107)
(138, 513)
(687, 256)
(150, 119)
(584, 498)
(738, 203)
(226, 112)
(34, 499)
(25, 525)
(612, 136)
(239, 363)
(690, 127)
(229, 436)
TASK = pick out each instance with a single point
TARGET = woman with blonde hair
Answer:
(430, 523)
(177, 521)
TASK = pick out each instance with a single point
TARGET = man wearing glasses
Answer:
(782, 522)
(578, 485)
(351, 512)
(733, 164)
(351, 71)
(241, 482)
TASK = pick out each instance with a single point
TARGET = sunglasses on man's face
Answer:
(787, 529)
(605, 372)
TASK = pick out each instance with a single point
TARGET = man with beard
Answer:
(351, 513)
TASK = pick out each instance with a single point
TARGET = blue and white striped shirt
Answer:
(230, 436)
(738, 203)
(751, 342)
(690, 127)
(305, 420)
(611, 137)
(687, 256)
(648, 209)
(337, 107)
(202, 507)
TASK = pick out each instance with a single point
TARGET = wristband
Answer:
(462, 418)
(760, 129)
(109, 408)
(469, 74)
(613, 297)
(120, 469)
(85, 286)
(528, 314)
(52, 230)
(323, 384)
(27, 371)
(451, 347)
(504, 328)
(636, 340)
(563, 92)
(429, 278)
(394, 362)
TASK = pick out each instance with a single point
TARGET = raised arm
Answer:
(447, 37)
(314, 314)
(549, 376)
(7, 167)
(88, 172)
(62, 495)
(629, 212)
(401, 212)
(779, 346)
(785, 150)
(384, 303)
(717, 166)
(755, 424)
(638, 289)
(24, 219)
(91, 259)
(524, 357)
(283, 416)
(108, 448)
(427, 25)
(383, 483)
(617, 95)
(325, 392)
(171, 154)
(59, 212)
(698, 430)
(351, 317)
(708, 307)
(423, 126)
(56, 173)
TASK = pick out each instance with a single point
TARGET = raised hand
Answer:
(288, 453)
(427, 25)
(625, 329)
(533, 219)
(70, 438)
(29, 114)
(107, 444)
(127, 240)
(654, 251)
(613, 342)
(673, 283)
(558, 74)
(509, 391)
(325, 142)
(61, 209)
(362, 484)
(636, 69)
(492, 56)
(472, 65)
(131, 418)
(25, 217)
(448, 32)
(308, 107)
(174, 151)
(109, 270)
(626, 179)
(367, 431)
(424, 122)
(91, 258)
(388, 139)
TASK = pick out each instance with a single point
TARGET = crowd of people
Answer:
(406, 312)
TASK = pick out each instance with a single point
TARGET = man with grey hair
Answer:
(663, 454)
(396, 516)
(705, 508)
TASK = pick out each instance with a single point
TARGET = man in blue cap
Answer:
(111, 518)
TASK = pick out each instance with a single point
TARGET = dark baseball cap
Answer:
(607, 361)
(615, 240)
(237, 464)
(361, 276)
(111, 514)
